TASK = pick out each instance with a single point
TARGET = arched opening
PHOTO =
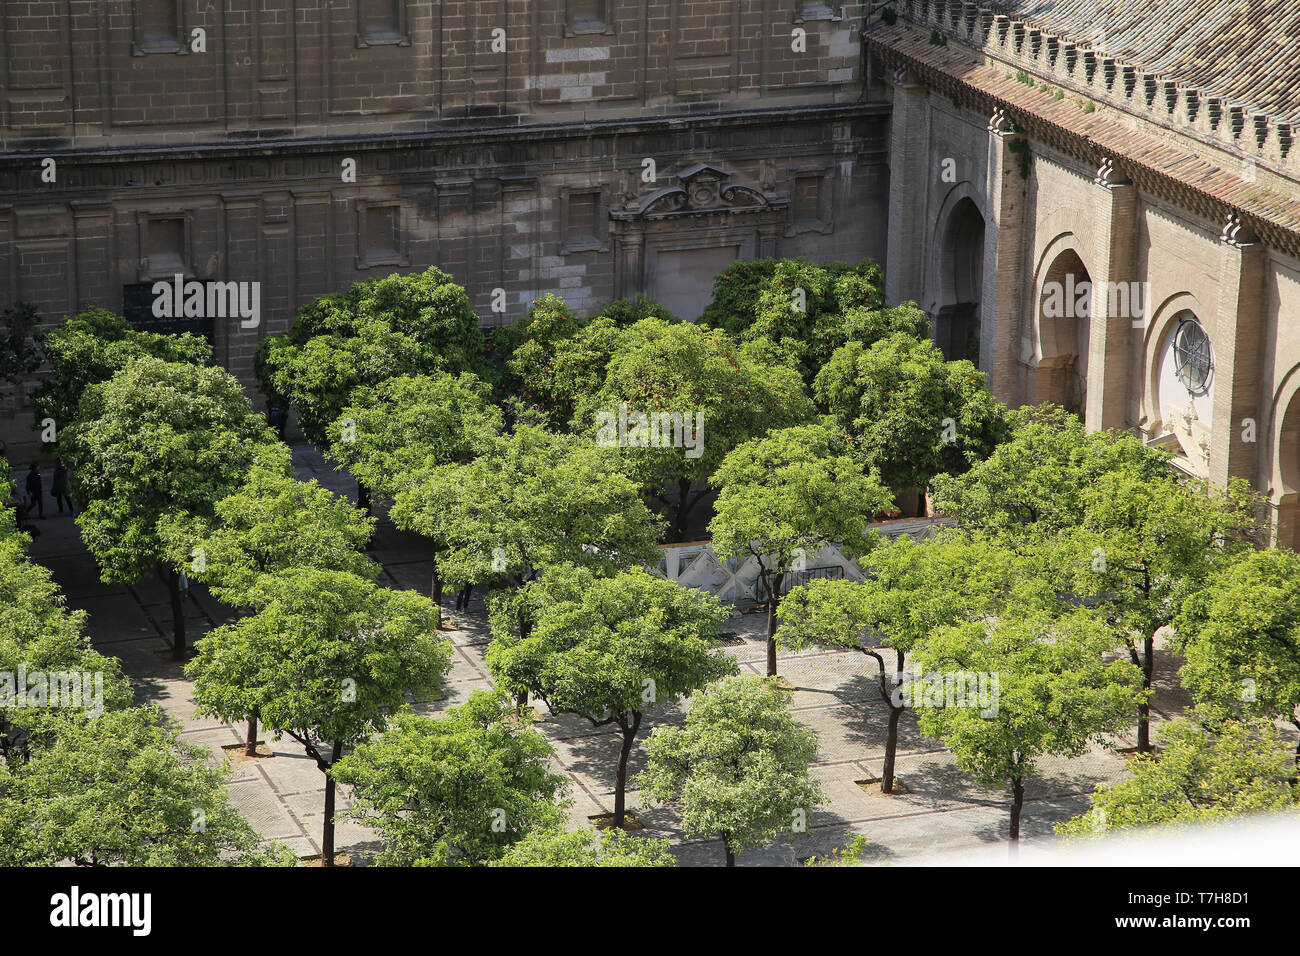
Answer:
(1064, 313)
(1287, 449)
(957, 325)
(1184, 391)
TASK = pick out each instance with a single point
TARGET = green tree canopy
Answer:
(1144, 545)
(533, 499)
(272, 522)
(554, 357)
(587, 847)
(392, 430)
(1240, 635)
(708, 379)
(625, 312)
(454, 790)
(327, 659)
(911, 589)
(907, 412)
(832, 287)
(94, 345)
(1204, 772)
(158, 443)
(841, 303)
(39, 633)
(1034, 482)
(378, 329)
(609, 649)
(19, 354)
(1116, 523)
(123, 789)
(410, 425)
(785, 497)
(738, 768)
(1049, 691)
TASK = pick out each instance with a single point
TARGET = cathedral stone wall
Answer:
(1076, 179)
(307, 146)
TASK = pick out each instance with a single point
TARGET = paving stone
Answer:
(835, 693)
(258, 803)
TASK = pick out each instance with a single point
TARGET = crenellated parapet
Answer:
(1086, 66)
(1100, 111)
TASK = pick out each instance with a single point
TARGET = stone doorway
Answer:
(957, 323)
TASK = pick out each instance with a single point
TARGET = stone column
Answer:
(1110, 336)
(769, 240)
(96, 282)
(629, 262)
(244, 255)
(908, 165)
(1236, 339)
(1000, 308)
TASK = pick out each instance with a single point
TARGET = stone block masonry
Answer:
(492, 139)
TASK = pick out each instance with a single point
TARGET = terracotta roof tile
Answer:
(1247, 51)
(1134, 147)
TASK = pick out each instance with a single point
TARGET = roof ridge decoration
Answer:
(1175, 172)
(1080, 66)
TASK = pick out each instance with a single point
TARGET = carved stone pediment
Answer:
(702, 189)
(702, 208)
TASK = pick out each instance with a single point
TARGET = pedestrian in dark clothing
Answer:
(59, 487)
(277, 418)
(35, 489)
(462, 597)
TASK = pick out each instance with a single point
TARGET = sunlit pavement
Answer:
(835, 693)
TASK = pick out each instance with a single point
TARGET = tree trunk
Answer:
(895, 714)
(327, 834)
(1017, 801)
(435, 588)
(620, 779)
(1294, 779)
(178, 617)
(1144, 708)
(773, 590)
(891, 750)
(250, 748)
(683, 509)
(726, 846)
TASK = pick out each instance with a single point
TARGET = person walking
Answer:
(59, 487)
(462, 597)
(35, 489)
(277, 418)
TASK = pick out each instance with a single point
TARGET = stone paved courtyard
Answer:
(835, 694)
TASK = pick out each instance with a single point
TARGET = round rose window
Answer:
(1193, 362)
